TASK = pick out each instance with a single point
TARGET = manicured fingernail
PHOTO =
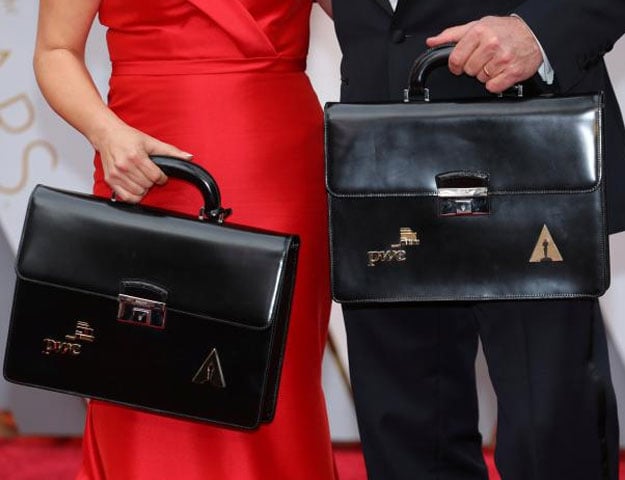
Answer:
(187, 154)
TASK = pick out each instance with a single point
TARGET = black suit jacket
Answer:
(379, 46)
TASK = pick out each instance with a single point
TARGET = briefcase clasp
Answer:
(462, 193)
(141, 311)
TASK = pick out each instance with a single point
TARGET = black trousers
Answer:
(413, 375)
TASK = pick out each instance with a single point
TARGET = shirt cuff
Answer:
(545, 70)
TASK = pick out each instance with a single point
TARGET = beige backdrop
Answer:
(36, 147)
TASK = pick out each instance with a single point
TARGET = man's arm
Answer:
(575, 34)
(502, 51)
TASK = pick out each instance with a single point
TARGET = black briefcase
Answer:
(484, 199)
(149, 308)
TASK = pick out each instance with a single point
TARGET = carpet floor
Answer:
(27, 458)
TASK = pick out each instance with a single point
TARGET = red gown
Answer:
(224, 80)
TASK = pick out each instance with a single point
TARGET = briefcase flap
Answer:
(534, 145)
(224, 272)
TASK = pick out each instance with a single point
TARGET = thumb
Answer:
(156, 147)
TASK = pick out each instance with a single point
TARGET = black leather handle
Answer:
(200, 178)
(429, 60)
(423, 66)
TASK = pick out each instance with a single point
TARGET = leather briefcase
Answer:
(149, 308)
(484, 199)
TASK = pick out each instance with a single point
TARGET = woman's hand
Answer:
(127, 167)
(67, 85)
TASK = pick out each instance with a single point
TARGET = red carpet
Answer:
(57, 459)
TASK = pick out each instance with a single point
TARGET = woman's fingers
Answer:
(156, 147)
(124, 195)
(127, 167)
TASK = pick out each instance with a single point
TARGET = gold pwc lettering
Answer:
(72, 345)
(59, 347)
(377, 256)
(396, 252)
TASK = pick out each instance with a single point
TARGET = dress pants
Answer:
(413, 375)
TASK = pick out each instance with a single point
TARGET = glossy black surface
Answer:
(225, 287)
(193, 173)
(543, 160)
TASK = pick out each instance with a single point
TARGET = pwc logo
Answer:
(71, 345)
(397, 251)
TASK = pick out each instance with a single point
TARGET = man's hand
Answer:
(499, 51)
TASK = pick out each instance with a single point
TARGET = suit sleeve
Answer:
(575, 34)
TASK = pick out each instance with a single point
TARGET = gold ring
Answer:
(486, 71)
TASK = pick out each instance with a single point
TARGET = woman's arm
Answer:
(69, 89)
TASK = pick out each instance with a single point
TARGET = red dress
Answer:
(224, 80)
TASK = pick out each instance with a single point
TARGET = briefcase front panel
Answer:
(485, 200)
(188, 318)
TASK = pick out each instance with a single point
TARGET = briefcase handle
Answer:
(424, 65)
(201, 179)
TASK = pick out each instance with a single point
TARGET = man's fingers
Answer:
(449, 35)
(461, 53)
(500, 83)
(498, 51)
(485, 57)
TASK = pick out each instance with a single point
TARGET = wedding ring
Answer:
(486, 71)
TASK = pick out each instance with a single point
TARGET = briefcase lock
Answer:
(462, 193)
(141, 311)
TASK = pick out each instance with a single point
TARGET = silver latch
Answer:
(141, 311)
(462, 193)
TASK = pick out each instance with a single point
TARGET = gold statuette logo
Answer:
(71, 345)
(407, 238)
(210, 371)
(546, 249)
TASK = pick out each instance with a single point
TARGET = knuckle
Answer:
(480, 29)
(493, 42)
(506, 56)
(515, 72)
(134, 157)
(120, 165)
